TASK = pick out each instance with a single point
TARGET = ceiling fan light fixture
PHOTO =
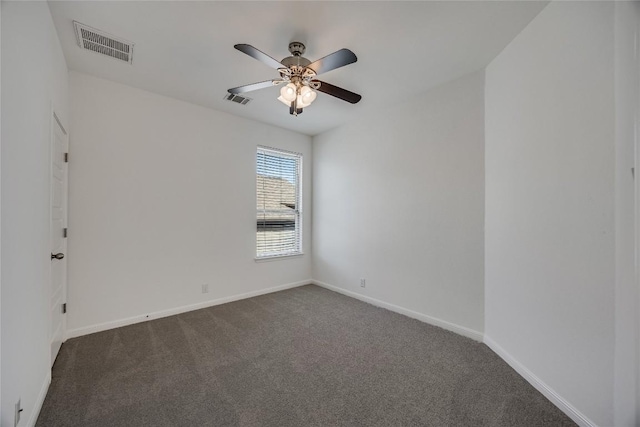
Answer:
(284, 101)
(288, 93)
(303, 101)
(307, 96)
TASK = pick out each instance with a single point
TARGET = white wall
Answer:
(399, 199)
(627, 79)
(34, 76)
(550, 266)
(161, 201)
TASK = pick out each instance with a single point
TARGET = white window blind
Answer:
(278, 201)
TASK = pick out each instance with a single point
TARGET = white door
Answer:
(59, 145)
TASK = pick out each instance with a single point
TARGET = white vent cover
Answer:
(101, 42)
(237, 98)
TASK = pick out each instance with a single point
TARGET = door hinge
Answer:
(64, 308)
(64, 232)
(66, 157)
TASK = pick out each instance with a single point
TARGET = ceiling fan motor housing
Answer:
(297, 48)
(297, 71)
(291, 61)
(296, 58)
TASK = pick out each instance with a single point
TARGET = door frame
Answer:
(636, 183)
(56, 121)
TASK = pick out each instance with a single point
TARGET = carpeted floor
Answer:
(301, 357)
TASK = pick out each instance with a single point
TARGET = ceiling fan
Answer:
(298, 75)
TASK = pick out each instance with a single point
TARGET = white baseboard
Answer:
(460, 330)
(577, 416)
(39, 401)
(72, 333)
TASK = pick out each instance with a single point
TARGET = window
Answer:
(278, 198)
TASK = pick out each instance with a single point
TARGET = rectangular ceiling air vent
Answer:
(103, 43)
(237, 98)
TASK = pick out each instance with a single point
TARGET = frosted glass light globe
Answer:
(306, 97)
(288, 92)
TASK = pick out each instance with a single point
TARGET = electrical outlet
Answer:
(205, 288)
(363, 283)
(18, 411)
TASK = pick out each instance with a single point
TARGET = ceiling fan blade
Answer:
(260, 56)
(338, 92)
(335, 60)
(254, 86)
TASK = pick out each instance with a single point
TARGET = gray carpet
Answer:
(301, 357)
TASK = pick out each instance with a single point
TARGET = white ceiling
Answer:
(185, 49)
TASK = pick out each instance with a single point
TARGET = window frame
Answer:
(298, 212)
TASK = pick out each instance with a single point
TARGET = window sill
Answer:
(277, 257)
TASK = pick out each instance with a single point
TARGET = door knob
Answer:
(57, 256)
